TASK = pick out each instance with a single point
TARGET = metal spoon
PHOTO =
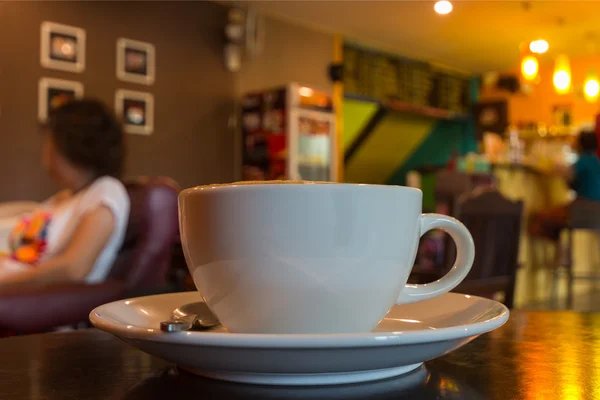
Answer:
(193, 316)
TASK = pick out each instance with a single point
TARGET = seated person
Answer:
(76, 234)
(583, 177)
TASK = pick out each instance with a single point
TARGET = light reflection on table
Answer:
(536, 355)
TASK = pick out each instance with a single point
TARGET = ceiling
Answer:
(477, 36)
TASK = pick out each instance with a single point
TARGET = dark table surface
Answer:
(536, 355)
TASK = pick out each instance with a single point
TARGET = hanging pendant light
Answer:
(591, 87)
(529, 67)
(562, 75)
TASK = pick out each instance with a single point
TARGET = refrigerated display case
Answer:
(289, 133)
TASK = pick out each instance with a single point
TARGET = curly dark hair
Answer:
(88, 134)
(588, 142)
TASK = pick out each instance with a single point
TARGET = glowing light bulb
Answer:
(529, 67)
(305, 92)
(591, 88)
(562, 75)
(539, 46)
(562, 81)
(443, 7)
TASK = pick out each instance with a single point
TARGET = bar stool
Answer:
(582, 215)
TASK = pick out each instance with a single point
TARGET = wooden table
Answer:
(536, 355)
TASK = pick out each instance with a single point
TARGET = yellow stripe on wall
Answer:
(388, 146)
(356, 115)
(338, 103)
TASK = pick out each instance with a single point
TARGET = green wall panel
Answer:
(396, 137)
(435, 150)
(399, 143)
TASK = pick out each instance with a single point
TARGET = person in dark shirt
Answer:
(584, 179)
(585, 174)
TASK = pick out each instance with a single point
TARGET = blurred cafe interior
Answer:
(109, 109)
(312, 91)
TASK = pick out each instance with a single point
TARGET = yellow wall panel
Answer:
(388, 146)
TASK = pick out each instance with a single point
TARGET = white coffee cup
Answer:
(305, 258)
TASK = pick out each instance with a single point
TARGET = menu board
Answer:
(384, 77)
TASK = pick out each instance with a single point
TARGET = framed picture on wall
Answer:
(136, 109)
(53, 93)
(135, 61)
(62, 47)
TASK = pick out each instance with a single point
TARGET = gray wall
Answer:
(193, 92)
(291, 53)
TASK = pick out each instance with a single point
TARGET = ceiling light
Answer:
(305, 92)
(443, 7)
(562, 75)
(591, 87)
(529, 67)
(539, 46)
(591, 90)
(562, 81)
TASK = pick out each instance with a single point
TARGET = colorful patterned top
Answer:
(48, 231)
(29, 238)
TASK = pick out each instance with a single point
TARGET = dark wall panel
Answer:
(193, 92)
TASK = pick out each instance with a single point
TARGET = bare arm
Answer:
(78, 258)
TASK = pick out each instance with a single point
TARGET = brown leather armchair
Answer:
(141, 267)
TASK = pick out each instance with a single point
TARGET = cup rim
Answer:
(285, 185)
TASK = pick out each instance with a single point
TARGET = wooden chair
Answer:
(495, 223)
(582, 215)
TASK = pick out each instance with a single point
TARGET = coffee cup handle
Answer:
(465, 255)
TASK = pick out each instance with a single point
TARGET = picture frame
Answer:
(136, 61)
(136, 109)
(62, 47)
(53, 93)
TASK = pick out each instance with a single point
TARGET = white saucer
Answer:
(409, 335)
